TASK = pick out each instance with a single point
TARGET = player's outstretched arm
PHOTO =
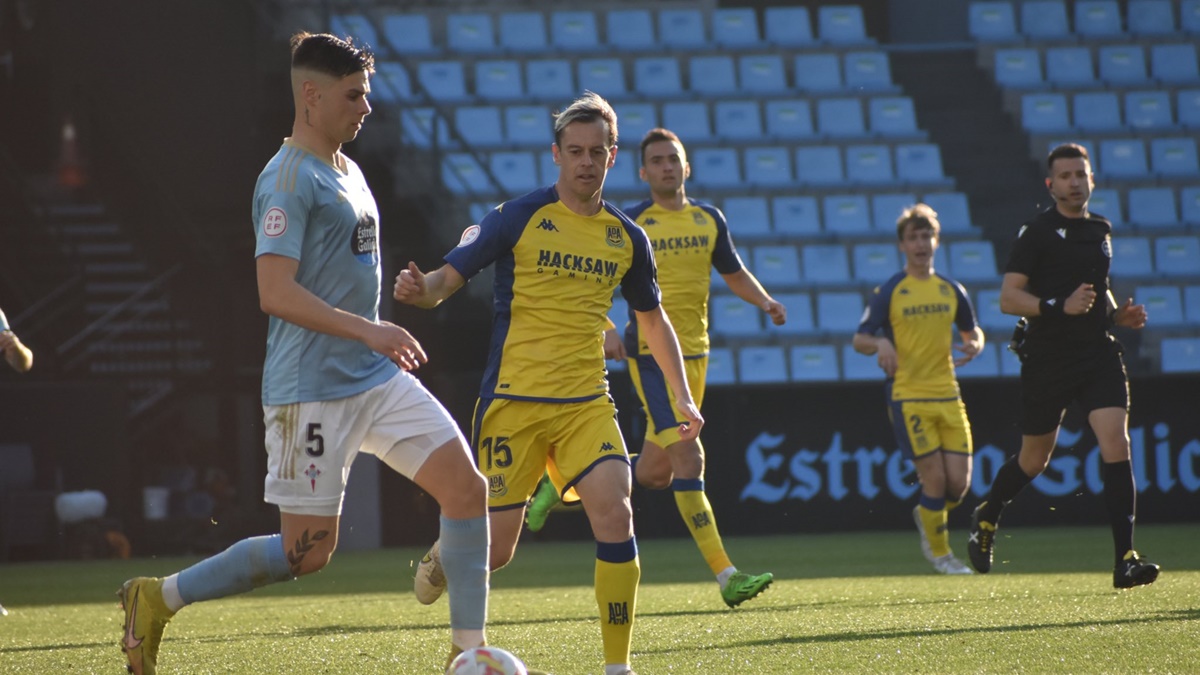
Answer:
(747, 287)
(414, 287)
(664, 345)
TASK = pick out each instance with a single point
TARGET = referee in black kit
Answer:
(1057, 278)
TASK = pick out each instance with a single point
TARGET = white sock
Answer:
(466, 639)
(723, 577)
(170, 591)
(616, 668)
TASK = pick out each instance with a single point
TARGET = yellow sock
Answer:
(697, 513)
(616, 596)
(934, 523)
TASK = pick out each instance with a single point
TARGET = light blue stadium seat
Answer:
(1107, 202)
(630, 30)
(1123, 158)
(869, 165)
(972, 261)
(604, 76)
(550, 80)
(839, 312)
(876, 263)
(840, 117)
(892, 117)
(1069, 67)
(1044, 20)
(987, 311)
(714, 167)
(548, 169)
(735, 28)
(841, 24)
(991, 22)
(1188, 105)
(826, 264)
(954, 213)
(1010, 363)
(1177, 256)
(847, 215)
(730, 316)
(762, 74)
(394, 77)
(498, 80)
(470, 33)
(1189, 205)
(479, 126)
(1131, 258)
(1174, 157)
(529, 125)
(523, 32)
(1174, 65)
(747, 217)
(1180, 355)
(814, 363)
(1018, 67)
(867, 71)
(712, 75)
(799, 315)
(681, 29)
(657, 77)
(1189, 16)
(791, 119)
(1191, 304)
(633, 121)
(721, 367)
(409, 34)
(819, 165)
(1151, 207)
(480, 209)
(788, 26)
(463, 174)
(1123, 65)
(623, 176)
(796, 216)
(985, 364)
(1150, 17)
(1045, 113)
(858, 367)
(777, 266)
(762, 365)
(886, 209)
(919, 163)
(818, 73)
(1148, 110)
(738, 121)
(1097, 18)
(443, 80)
(1097, 111)
(517, 172)
(574, 31)
(360, 28)
(688, 119)
(423, 128)
(768, 167)
(1164, 305)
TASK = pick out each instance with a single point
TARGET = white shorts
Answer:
(311, 445)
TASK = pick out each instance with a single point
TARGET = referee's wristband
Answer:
(1052, 307)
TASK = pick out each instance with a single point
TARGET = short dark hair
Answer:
(330, 55)
(587, 108)
(655, 135)
(921, 217)
(1066, 151)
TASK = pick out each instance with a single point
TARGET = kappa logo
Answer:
(496, 486)
(616, 236)
(607, 447)
(650, 221)
(312, 472)
(903, 291)
(547, 225)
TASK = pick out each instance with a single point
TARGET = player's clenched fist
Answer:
(410, 285)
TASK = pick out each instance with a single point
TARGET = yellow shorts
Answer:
(924, 427)
(516, 441)
(662, 418)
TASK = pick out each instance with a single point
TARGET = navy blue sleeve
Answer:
(495, 235)
(639, 286)
(964, 318)
(725, 257)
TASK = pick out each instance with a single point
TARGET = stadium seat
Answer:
(985, 364)
(892, 117)
(1148, 110)
(1107, 202)
(517, 172)
(712, 75)
(735, 28)
(847, 215)
(1189, 205)
(919, 163)
(479, 126)
(737, 121)
(788, 26)
(819, 165)
(768, 167)
(762, 365)
(689, 120)
(1096, 111)
(1010, 363)
(1123, 158)
(633, 121)
(991, 22)
(1131, 258)
(423, 128)
(549, 170)
(796, 216)
(876, 263)
(1151, 207)
(409, 34)
(1174, 157)
(1188, 105)
(1150, 17)
(1191, 304)
(550, 79)
(1174, 65)
(1180, 355)
(395, 80)
(463, 174)
(1019, 67)
(470, 33)
(630, 30)
(818, 73)
(747, 217)
(814, 363)
(799, 315)
(886, 209)
(954, 214)
(730, 316)
(498, 80)
(1177, 256)
(840, 118)
(972, 261)
(839, 311)
(1164, 305)
(987, 311)
(841, 24)
(657, 77)
(1046, 113)
(1097, 18)
(681, 29)
(777, 266)
(528, 125)
(443, 80)
(1123, 65)
(480, 209)
(826, 264)
(604, 76)
(1189, 16)
(574, 31)
(721, 367)
(867, 71)
(714, 167)
(869, 165)
(623, 176)
(859, 367)
(762, 74)
(791, 119)
(1069, 67)
(360, 28)
(1044, 20)
(523, 32)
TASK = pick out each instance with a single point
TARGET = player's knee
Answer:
(499, 557)
(653, 480)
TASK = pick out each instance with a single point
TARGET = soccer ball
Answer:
(486, 661)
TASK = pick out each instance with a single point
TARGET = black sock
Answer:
(1010, 480)
(1121, 499)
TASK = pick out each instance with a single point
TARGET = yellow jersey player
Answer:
(908, 326)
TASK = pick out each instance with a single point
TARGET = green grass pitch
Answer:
(851, 603)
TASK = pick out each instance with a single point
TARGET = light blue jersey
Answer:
(308, 210)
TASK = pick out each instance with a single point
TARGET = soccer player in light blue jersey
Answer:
(336, 378)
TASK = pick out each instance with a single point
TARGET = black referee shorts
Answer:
(1052, 379)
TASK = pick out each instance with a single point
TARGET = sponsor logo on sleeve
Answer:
(274, 222)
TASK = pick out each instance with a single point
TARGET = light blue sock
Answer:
(245, 566)
(464, 553)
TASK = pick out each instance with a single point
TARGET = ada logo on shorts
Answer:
(274, 222)
(497, 486)
(469, 236)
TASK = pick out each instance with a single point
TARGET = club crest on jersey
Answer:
(469, 236)
(616, 236)
(363, 240)
(698, 218)
(496, 486)
(274, 222)
(944, 289)
(1106, 246)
